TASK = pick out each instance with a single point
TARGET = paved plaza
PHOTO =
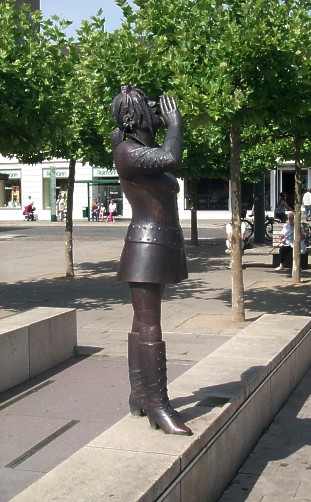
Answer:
(67, 407)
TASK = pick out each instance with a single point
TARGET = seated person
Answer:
(287, 242)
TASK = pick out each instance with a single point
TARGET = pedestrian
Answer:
(60, 207)
(95, 211)
(306, 200)
(112, 208)
(287, 242)
(102, 212)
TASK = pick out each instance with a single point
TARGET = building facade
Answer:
(46, 181)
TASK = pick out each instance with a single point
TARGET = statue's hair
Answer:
(129, 108)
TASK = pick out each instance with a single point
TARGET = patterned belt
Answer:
(151, 233)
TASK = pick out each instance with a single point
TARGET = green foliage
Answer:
(245, 60)
(31, 56)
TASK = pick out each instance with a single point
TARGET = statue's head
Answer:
(133, 111)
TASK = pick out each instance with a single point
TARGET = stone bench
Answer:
(228, 399)
(34, 341)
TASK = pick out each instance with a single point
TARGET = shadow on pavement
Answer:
(287, 435)
(95, 286)
(207, 398)
(35, 384)
(288, 299)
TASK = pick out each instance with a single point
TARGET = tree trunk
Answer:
(296, 276)
(238, 312)
(194, 212)
(259, 211)
(68, 228)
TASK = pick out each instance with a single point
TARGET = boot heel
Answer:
(137, 412)
(153, 423)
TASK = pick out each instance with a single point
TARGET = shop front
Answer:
(283, 179)
(51, 188)
(11, 193)
(105, 187)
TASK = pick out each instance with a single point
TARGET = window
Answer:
(106, 189)
(61, 185)
(213, 194)
(10, 188)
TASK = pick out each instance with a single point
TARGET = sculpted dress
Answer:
(154, 244)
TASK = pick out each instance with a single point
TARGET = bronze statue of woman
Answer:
(153, 254)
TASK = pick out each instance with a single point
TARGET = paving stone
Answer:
(279, 468)
(14, 355)
(85, 479)
(12, 482)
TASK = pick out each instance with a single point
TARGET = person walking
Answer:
(112, 208)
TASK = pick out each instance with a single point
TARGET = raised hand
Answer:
(169, 111)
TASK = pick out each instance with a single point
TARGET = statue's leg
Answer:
(146, 301)
(147, 353)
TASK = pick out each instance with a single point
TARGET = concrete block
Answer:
(34, 341)
(215, 468)
(101, 475)
(302, 358)
(51, 341)
(282, 383)
(37, 314)
(14, 363)
(228, 399)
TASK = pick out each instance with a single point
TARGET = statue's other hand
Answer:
(169, 111)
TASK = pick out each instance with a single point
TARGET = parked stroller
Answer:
(29, 212)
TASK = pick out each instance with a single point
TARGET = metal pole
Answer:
(259, 210)
(53, 194)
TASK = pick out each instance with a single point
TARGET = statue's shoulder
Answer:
(129, 147)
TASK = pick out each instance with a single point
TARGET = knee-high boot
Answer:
(136, 399)
(156, 402)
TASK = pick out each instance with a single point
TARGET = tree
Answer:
(45, 110)
(28, 59)
(228, 62)
(206, 154)
(79, 130)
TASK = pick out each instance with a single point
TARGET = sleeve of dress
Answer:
(144, 161)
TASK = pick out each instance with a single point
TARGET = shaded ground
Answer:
(278, 468)
(196, 320)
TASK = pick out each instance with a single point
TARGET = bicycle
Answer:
(249, 228)
(269, 221)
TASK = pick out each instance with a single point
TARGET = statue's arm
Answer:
(135, 160)
(173, 122)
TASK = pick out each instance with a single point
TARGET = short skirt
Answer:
(155, 263)
(153, 254)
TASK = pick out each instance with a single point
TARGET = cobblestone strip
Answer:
(279, 467)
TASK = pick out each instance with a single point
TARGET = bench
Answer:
(35, 341)
(276, 241)
(229, 398)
